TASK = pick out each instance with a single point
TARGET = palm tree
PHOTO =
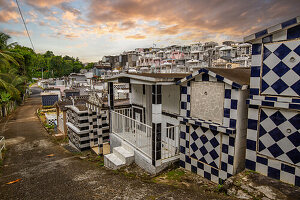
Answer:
(11, 83)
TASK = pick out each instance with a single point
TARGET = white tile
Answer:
(200, 172)
(252, 135)
(274, 28)
(287, 177)
(256, 60)
(250, 37)
(255, 82)
(282, 35)
(263, 169)
(251, 155)
(275, 164)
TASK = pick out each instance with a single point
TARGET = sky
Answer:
(91, 29)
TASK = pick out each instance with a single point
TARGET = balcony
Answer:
(139, 135)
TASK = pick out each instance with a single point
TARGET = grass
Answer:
(249, 171)
(175, 174)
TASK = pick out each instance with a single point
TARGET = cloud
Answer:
(46, 3)
(8, 11)
(230, 17)
(69, 16)
(136, 36)
(14, 32)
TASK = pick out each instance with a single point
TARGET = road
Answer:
(65, 176)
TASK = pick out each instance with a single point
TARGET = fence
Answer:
(136, 133)
(7, 108)
(2, 145)
(125, 111)
(170, 142)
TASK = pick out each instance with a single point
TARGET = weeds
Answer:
(175, 174)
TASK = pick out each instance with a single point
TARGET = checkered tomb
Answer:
(205, 145)
(279, 135)
(281, 69)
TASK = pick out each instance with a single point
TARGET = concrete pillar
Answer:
(156, 124)
(57, 115)
(111, 95)
(65, 122)
(110, 102)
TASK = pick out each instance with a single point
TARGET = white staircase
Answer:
(121, 156)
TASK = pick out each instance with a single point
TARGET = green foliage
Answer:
(49, 126)
(175, 174)
(89, 66)
(18, 64)
(5, 97)
(220, 187)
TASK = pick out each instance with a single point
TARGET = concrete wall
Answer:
(207, 100)
(137, 96)
(171, 98)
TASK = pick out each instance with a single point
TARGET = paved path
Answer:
(64, 176)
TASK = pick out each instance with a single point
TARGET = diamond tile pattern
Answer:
(205, 145)
(281, 69)
(279, 135)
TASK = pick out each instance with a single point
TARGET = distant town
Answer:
(177, 59)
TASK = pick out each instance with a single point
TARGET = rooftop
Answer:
(67, 102)
(240, 75)
(237, 77)
(71, 90)
(160, 75)
(273, 29)
(168, 78)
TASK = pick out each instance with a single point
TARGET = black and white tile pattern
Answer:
(273, 137)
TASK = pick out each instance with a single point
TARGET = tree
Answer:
(12, 81)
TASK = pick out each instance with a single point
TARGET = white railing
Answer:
(124, 111)
(132, 131)
(170, 142)
(2, 145)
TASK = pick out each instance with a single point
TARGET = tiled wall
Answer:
(273, 134)
(93, 126)
(207, 152)
(272, 149)
(208, 148)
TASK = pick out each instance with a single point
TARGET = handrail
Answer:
(132, 131)
(132, 119)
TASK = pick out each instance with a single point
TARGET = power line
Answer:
(25, 25)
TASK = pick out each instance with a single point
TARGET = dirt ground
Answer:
(46, 170)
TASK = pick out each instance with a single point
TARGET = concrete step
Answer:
(124, 155)
(113, 162)
(127, 147)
